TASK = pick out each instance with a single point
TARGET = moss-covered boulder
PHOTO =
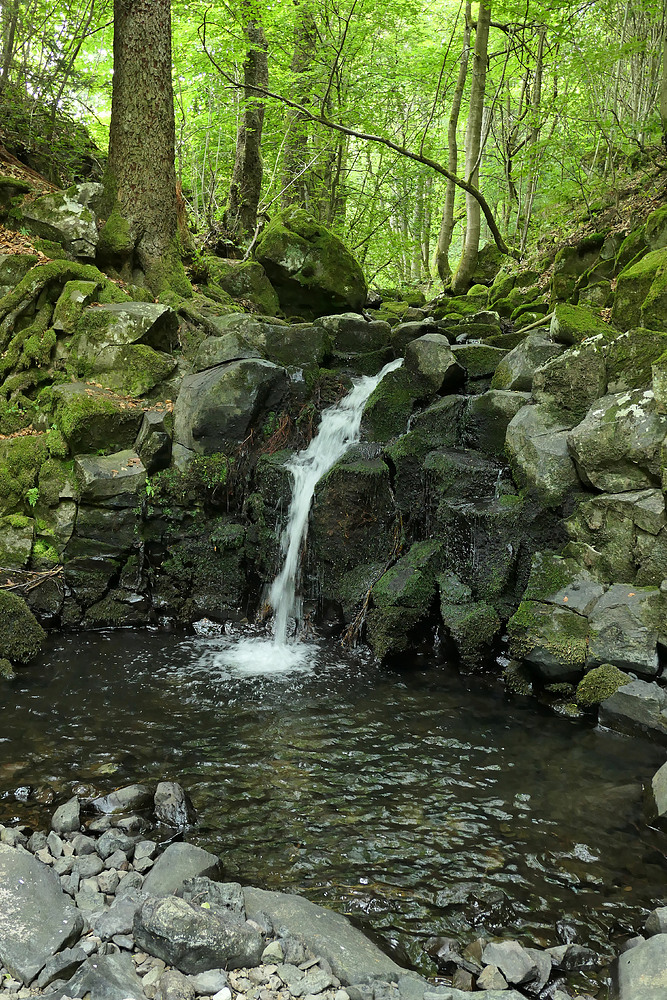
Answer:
(218, 408)
(572, 381)
(75, 296)
(553, 640)
(617, 445)
(312, 271)
(655, 229)
(634, 284)
(489, 262)
(487, 418)
(516, 369)
(21, 459)
(471, 625)
(599, 684)
(244, 280)
(93, 419)
(14, 267)
(478, 360)
(17, 532)
(537, 448)
(632, 249)
(351, 333)
(626, 625)
(621, 536)
(21, 637)
(571, 262)
(402, 599)
(62, 217)
(431, 362)
(572, 324)
(391, 404)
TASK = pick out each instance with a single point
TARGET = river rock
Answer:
(103, 977)
(656, 922)
(516, 370)
(655, 799)
(491, 978)
(218, 407)
(21, 636)
(113, 479)
(172, 805)
(178, 863)
(616, 447)
(513, 961)
(626, 625)
(637, 707)
(36, 917)
(641, 973)
(552, 639)
(312, 271)
(572, 324)
(194, 939)
(487, 417)
(350, 333)
(123, 800)
(431, 360)
(537, 447)
(119, 918)
(120, 324)
(61, 966)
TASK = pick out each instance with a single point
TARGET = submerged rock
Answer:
(21, 636)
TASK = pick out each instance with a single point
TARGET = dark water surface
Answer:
(389, 796)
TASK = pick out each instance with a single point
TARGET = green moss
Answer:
(471, 626)
(600, 683)
(563, 634)
(21, 637)
(51, 249)
(6, 670)
(633, 286)
(518, 679)
(390, 406)
(630, 358)
(116, 239)
(20, 461)
(168, 274)
(204, 480)
(90, 419)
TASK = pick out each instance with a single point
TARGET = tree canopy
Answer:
(354, 110)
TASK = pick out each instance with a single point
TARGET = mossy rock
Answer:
(518, 679)
(489, 262)
(633, 358)
(391, 404)
(632, 249)
(571, 382)
(16, 539)
(410, 582)
(478, 360)
(471, 626)
(93, 419)
(633, 287)
(21, 637)
(655, 229)
(599, 684)
(553, 639)
(572, 324)
(312, 271)
(20, 461)
(14, 267)
(390, 630)
(243, 280)
(75, 296)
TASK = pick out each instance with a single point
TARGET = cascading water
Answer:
(339, 430)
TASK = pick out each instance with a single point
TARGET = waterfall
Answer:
(339, 430)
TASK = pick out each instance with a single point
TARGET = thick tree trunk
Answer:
(663, 93)
(9, 25)
(295, 155)
(447, 225)
(468, 262)
(140, 237)
(246, 186)
(534, 136)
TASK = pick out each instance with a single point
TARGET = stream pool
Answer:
(405, 799)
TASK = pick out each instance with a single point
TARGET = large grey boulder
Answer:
(641, 972)
(172, 805)
(61, 216)
(67, 817)
(218, 407)
(103, 977)
(119, 324)
(616, 447)
(487, 417)
(353, 958)
(37, 919)
(175, 865)
(655, 801)
(352, 334)
(626, 625)
(638, 707)
(572, 381)
(195, 939)
(514, 962)
(125, 799)
(431, 359)
(516, 370)
(536, 445)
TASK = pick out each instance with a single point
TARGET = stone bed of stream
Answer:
(420, 802)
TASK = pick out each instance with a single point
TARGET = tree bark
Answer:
(295, 154)
(663, 92)
(139, 240)
(447, 225)
(468, 262)
(534, 136)
(9, 36)
(246, 186)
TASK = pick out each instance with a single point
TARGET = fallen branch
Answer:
(35, 578)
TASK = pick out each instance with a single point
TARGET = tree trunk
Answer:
(468, 262)
(295, 162)
(534, 136)
(447, 225)
(663, 92)
(241, 214)
(139, 240)
(9, 35)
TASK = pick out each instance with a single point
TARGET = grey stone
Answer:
(83, 845)
(537, 448)
(145, 849)
(542, 961)
(656, 922)
(36, 918)
(353, 958)
(124, 799)
(119, 918)
(116, 860)
(172, 805)
(220, 897)
(153, 443)
(39, 842)
(67, 817)
(513, 961)
(108, 881)
(125, 941)
(133, 824)
(491, 978)
(641, 973)
(130, 323)
(616, 446)
(192, 938)
(89, 901)
(351, 334)
(487, 418)
(60, 216)
(117, 477)
(570, 957)
(516, 370)
(61, 966)
(218, 407)
(88, 866)
(175, 865)
(655, 798)
(273, 953)
(103, 977)
(208, 983)
(430, 358)
(175, 986)
(624, 629)
(133, 880)
(113, 841)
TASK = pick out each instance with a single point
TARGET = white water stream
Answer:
(339, 429)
